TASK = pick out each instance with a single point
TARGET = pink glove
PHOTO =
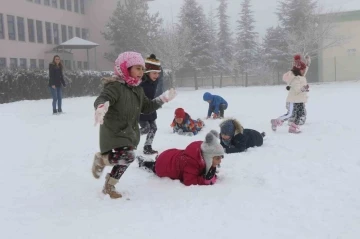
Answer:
(211, 181)
(168, 95)
(100, 113)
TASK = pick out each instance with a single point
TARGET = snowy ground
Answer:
(295, 186)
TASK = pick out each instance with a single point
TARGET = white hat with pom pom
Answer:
(211, 147)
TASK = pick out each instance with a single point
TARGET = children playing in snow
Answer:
(236, 139)
(297, 96)
(195, 165)
(117, 111)
(217, 105)
(184, 125)
(149, 84)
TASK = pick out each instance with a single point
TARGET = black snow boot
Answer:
(148, 150)
(55, 111)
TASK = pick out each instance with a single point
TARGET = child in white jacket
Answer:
(297, 96)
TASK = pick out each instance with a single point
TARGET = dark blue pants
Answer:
(57, 97)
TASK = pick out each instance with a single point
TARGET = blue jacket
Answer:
(149, 87)
(215, 103)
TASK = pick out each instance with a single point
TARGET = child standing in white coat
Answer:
(297, 96)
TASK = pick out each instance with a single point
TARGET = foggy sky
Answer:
(263, 13)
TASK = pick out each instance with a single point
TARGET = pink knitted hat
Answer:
(126, 60)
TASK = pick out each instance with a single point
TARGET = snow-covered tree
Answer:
(224, 43)
(192, 18)
(246, 40)
(131, 28)
(213, 47)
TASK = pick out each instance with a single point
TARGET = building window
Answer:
(39, 32)
(23, 63)
(62, 4)
(86, 65)
(2, 30)
(54, 3)
(21, 28)
(2, 62)
(67, 64)
(11, 27)
(38, 1)
(77, 32)
(63, 33)
(76, 6)
(74, 65)
(30, 0)
(41, 64)
(70, 32)
(56, 33)
(82, 7)
(13, 63)
(47, 2)
(48, 32)
(79, 65)
(351, 52)
(69, 5)
(32, 63)
(31, 30)
(84, 33)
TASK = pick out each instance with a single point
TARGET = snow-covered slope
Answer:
(295, 186)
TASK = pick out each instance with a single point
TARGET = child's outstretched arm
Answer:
(109, 93)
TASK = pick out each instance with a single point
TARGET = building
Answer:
(342, 62)
(31, 29)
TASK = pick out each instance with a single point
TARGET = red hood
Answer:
(193, 151)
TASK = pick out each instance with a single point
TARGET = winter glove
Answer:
(189, 134)
(168, 95)
(305, 88)
(181, 132)
(211, 181)
(215, 116)
(288, 88)
(100, 113)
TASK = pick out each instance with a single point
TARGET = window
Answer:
(39, 32)
(69, 5)
(351, 52)
(13, 63)
(82, 7)
(56, 33)
(41, 64)
(47, 2)
(67, 64)
(48, 32)
(31, 30)
(2, 62)
(38, 1)
(23, 63)
(63, 33)
(76, 5)
(86, 65)
(11, 27)
(2, 30)
(32, 63)
(79, 64)
(70, 32)
(54, 3)
(77, 32)
(30, 0)
(62, 4)
(21, 28)
(74, 65)
(84, 33)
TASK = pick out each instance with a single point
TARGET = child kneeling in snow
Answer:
(184, 125)
(236, 139)
(217, 105)
(195, 165)
(117, 111)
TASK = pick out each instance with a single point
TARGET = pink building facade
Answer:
(31, 29)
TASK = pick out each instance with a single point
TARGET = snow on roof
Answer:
(77, 43)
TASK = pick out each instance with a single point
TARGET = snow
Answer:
(295, 186)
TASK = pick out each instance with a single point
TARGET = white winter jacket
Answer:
(295, 94)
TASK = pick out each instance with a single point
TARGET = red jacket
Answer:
(186, 165)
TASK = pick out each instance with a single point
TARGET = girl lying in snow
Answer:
(194, 165)
(236, 139)
(184, 125)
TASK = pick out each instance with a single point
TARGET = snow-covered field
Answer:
(295, 186)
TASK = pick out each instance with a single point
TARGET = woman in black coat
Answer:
(236, 139)
(149, 84)
(56, 81)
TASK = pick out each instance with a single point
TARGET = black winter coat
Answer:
(149, 88)
(56, 76)
(241, 142)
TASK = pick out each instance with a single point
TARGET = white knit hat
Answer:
(211, 147)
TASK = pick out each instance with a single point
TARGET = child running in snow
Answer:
(297, 96)
(236, 139)
(149, 84)
(217, 105)
(194, 165)
(184, 125)
(117, 111)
